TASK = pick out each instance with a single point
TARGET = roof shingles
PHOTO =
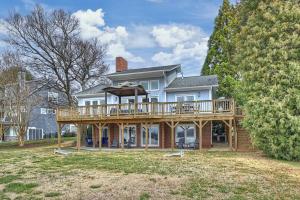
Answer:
(193, 81)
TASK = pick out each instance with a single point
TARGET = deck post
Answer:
(100, 136)
(147, 136)
(172, 135)
(122, 136)
(93, 136)
(108, 132)
(163, 135)
(135, 101)
(58, 135)
(200, 134)
(230, 134)
(235, 136)
(78, 137)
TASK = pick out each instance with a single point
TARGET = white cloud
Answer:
(140, 37)
(92, 25)
(171, 35)
(184, 43)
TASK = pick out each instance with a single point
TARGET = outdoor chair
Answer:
(181, 143)
(115, 143)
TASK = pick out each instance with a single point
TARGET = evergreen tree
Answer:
(268, 55)
(221, 47)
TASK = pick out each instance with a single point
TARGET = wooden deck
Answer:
(155, 112)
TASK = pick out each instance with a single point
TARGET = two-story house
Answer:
(174, 111)
(42, 118)
(154, 107)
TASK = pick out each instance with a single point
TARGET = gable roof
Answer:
(93, 90)
(146, 69)
(193, 81)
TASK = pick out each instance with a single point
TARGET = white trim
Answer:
(150, 145)
(112, 75)
(184, 96)
(151, 86)
(194, 87)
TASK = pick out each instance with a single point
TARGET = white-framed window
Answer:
(186, 133)
(145, 84)
(154, 99)
(87, 103)
(153, 135)
(43, 111)
(154, 85)
(182, 98)
(34, 133)
(53, 97)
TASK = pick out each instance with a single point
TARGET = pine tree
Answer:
(269, 59)
(220, 44)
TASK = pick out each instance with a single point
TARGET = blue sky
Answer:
(145, 32)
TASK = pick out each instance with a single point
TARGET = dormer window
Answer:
(53, 97)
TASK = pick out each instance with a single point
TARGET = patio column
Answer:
(78, 136)
(200, 134)
(230, 134)
(58, 135)
(172, 135)
(122, 135)
(147, 136)
(100, 135)
(163, 135)
(93, 136)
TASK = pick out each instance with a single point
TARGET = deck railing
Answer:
(153, 109)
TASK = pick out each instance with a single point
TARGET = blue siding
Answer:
(198, 95)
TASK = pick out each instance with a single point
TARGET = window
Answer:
(34, 133)
(43, 111)
(154, 84)
(102, 101)
(145, 84)
(95, 103)
(180, 98)
(87, 103)
(154, 99)
(183, 98)
(189, 98)
(153, 138)
(129, 135)
(53, 97)
(50, 111)
(187, 132)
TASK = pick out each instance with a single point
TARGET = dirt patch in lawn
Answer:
(104, 185)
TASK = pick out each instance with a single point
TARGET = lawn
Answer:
(37, 173)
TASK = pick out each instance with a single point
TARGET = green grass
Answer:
(145, 196)
(34, 143)
(8, 178)
(52, 194)
(198, 175)
(20, 187)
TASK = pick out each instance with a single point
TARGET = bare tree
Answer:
(20, 99)
(51, 46)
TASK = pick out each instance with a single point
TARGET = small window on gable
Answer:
(50, 111)
(53, 97)
(154, 84)
(43, 111)
(145, 84)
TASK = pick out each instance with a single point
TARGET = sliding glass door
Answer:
(129, 135)
(153, 136)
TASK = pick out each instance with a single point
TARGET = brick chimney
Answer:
(121, 64)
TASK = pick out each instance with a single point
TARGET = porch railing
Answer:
(153, 109)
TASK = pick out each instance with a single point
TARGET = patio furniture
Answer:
(115, 143)
(181, 143)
